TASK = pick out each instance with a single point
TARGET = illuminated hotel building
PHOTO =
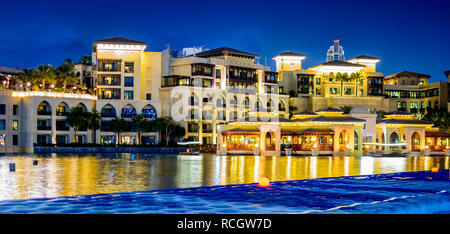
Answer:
(229, 98)
(127, 82)
(224, 84)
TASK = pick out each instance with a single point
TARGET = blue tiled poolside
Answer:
(405, 192)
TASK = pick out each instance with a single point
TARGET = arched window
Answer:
(221, 102)
(149, 112)
(128, 111)
(415, 141)
(281, 106)
(356, 141)
(108, 111)
(62, 109)
(193, 100)
(393, 138)
(44, 108)
(82, 106)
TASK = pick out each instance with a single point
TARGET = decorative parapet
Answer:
(52, 94)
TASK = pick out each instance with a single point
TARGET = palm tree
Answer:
(118, 125)
(339, 78)
(86, 60)
(170, 127)
(379, 113)
(93, 122)
(345, 78)
(26, 77)
(76, 120)
(356, 76)
(65, 74)
(45, 74)
(347, 109)
(140, 124)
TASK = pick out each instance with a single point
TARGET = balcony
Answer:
(202, 73)
(64, 113)
(109, 66)
(44, 112)
(113, 82)
(44, 128)
(62, 128)
(207, 130)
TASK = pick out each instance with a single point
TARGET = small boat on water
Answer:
(190, 150)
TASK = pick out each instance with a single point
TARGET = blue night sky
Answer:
(406, 35)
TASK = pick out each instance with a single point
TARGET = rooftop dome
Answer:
(359, 110)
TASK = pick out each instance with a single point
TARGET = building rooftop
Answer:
(407, 74)
(9, 70)
(330, 109)
(447, 73)
(226, 51)
(263, 119)
(305, 113)
(290, 53)
(365, 57)
(332, 119)
(120, 40)
(404, 121)
(398, 112)
(339, 63)
(359, 110)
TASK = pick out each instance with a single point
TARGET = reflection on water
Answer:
(68, 175)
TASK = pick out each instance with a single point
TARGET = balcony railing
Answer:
(44, 127)
(115, 82)
(44, 112)
(202, 73)
(62, 128)
(65, 113)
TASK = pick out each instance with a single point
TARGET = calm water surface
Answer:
(69, 175)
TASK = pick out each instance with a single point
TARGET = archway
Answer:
(44, 108)
(193, 100)
(343, 140)
(394, 139)
(282, 106)
(108, 111)
(270, 141)
(62, 109)
(128, 111)
(82, 106)
(415, 141)
(149, 112)
(221, 102)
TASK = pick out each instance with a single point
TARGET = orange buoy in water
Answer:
(264, 182)
(435, 169)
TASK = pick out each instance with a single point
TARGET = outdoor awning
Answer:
(316, 131)
(437, 134)
(242, 131)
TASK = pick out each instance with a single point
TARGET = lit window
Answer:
(129, 67)
(15, 125)
(128, 95)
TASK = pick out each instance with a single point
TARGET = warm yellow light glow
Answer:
(264, 182)
(52, 94)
